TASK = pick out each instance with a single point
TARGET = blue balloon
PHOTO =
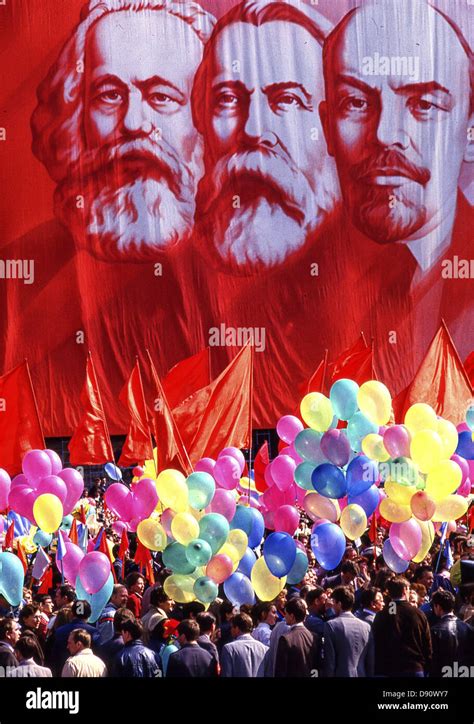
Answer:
(329, 480)
(67, 523)
(238, 589)
(97, 600)
(465, 446)
(113, 471)
(362, 473)
(299, 568)
(12, 577)
(328, 544)
(247, 562)
(368, 500)
(343, 396)
(303, 473)
(250, 520)
(42, 539)
(394, 562)
(357, 428)
(279, 551)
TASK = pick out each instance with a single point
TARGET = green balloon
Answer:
(198, 552)
(214, 529)
(201, 487)
(403, 470)
(205, 589)
(303, 473)
(174, 557)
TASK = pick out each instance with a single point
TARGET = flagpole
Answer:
(325, 366)
(146, 413)
(34, 400)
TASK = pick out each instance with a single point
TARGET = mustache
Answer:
(394, 162)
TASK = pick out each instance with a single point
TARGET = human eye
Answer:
(227, 99)
(163, 99)
(354, 104)
(287, 101)
(110, 96)
(425, 109)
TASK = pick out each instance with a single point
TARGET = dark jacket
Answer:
(453, 640)
(298, 653)
(402, 640)
(137, 661)
(205, 643)
(7, 657)
(191, 661)
(108, 652)
(59, 652)
(38, 656)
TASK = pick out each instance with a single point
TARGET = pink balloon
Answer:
(300, 495)
(5, 485)
(36, 465)
(145, 498)
(405, 539)
(288, 428)
(56, 462)
(205, 465)
(463, 464)
(274, 497)
(465, 488)
(269, 519)
(224, 503)
(20, 481)
(94, 570)
(21, 500)
(75, 487)
(227, 472)
(267, 474)
(235, 453)
(463, 427)
(396, 440)
(287, 519)
(166, 518)
(71, 561)
(283, 469)
(120, 500)
(118, 527)
(219, 568)
(290, 450)
(54, 485)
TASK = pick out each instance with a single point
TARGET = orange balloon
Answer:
(422, 506)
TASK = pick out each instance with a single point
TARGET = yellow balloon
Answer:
(152, 534)
(265, 584)
(443, 479)
(172, 490)
(373, 447)
(399, 493)
(353, 521)
(449, 437)
(180, 588)
(451, 508)
(26, 542)
(427, 538)
(48, 512)
(316, 410)
(184, 528)
(239, 539)
(420, 416)
(248, 484)
(394, 512)
(149, 468)
(230, 550)
(426, 449)
(375, 402)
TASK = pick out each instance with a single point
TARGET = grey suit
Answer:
(28, 668)
(348, 647)
(243, 657)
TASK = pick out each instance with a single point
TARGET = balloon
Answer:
(214, 529)
(427, 538)
(174, 557)
(5, 483)
(420, 417)
(53, 485)
(402, 470)
(443, 479)
(66, 523)
(235, 453)
(353, 521)
(94, 570)
(138, 471)
(145, 498)
(119, 500)
(394, 512)
(230, 551)
(227, 472)
(113, 471)
(303, 474)
(223, 503)
(288, 428)
(48, 512)
(152, 534)
(405, 538)
(361, 474)
(451, 508)
(201, 487)
(298, 569)
(465, 488)
(465, 447)
(22, 499)
(396, 440)
(205, 589)
(358, 427)
(336, 447)
(426, 449)
(308, 446)
(36, 465)
(329, 480)
(75, 487)
(239, 539)
(287, 519)
(394, 562)
(251, 522)
(316, 410)
(283, 469)
(198, 552)
(172, 490)
(247, 562)
(165, 520)
(328, 544)
(368, 500)
(42, 539)
(69, 566)
(470, 417)
(184, 528)
(265, 584)
(97, 600)
(372, 446)
(279, 551)
(375, 402)
(449, 437)
(180, 588)
(343, 396)
(238, 589)
(317, 506)
(401, 494)
(205, 465)
(219, 568)
(12, 578)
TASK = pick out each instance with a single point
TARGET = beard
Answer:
(138, 199)
(387, 213)
(258, 208)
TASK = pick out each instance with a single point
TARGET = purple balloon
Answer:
(54, 485)
(205, 465)
(223, 502)
(71, 561)
(56, 462)
(5, 485)
(227, 471)
(393, 561)
(405, 539)
(235, 453)
(36, 465)
(396, 441)
(75, 488)
(368, 500)
(145, 498)
(94, 570)
(283, 470)
(336, 447)
(288, 428)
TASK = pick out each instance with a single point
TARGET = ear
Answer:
(323, 114)
(469, 152)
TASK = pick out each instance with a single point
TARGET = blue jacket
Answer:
(191, 661)
(137, 661)
(59, 652)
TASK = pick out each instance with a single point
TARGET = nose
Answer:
(390, 126)
(135, 121)
(257, 128)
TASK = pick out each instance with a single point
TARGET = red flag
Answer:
(21, 555)
(355, 363)
(470, 519)
(441, 381)
(220, 414)
(73, 532)
(317, 379)
(47, 582)
(82, 515)
(9, 536)
(469, 367)
(144, 560)
(123, 544)
(186, 377)
(91, 444)
(261, 461)
(138, 446)
(20, 427)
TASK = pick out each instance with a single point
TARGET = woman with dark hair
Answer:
(30, 621)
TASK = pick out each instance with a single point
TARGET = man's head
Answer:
(193, 609)
(316, 600)
(131, 630)
(425, 576)
(160, 599)
(81, 610)
(396, 116)
(296, 610)
(30, 616)
(188, 631)
(442, 602)
(206, 622)
(343, 599)
(135, 583)
(266, 612)
(64, 595)
(120, 616)
(78, 640)
(9, 631)
(269, 182)
(398, 588)
(45, 602)
(119, 595)
(113, 126)
(25, 648)
(372, 599)
(241, 624)
(349, 571)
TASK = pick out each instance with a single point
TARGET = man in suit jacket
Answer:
(207, 627)
(25, 650)
(298, 650)
(244, 656)
(348, 642)
(9, 635)
(371, 602)
(191, 661)
(453, 640)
